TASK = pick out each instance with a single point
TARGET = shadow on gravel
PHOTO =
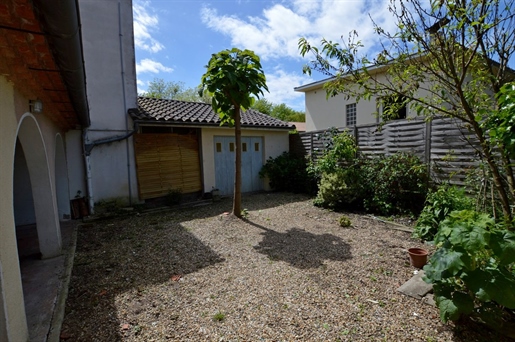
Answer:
(302, 249)
(120, 258)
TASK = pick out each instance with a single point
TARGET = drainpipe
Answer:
(87, 148)
(87, 165)
(122, 65)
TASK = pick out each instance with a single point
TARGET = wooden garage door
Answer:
(165, 162)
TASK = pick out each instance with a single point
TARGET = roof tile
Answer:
(174, 111)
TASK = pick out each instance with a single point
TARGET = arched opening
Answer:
(61, 180)
(23, 204)
(43, 197)
(38, 231)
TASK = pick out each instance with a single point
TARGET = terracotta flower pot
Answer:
(417, 257)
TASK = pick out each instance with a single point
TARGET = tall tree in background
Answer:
(285, 113)
(447, 57)
(233, 77)
(263, 106)
(161, 89)
(281, 111)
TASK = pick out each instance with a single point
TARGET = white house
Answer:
(323, 112)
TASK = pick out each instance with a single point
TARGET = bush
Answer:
(287, 172)
(341, 189)
(344, 221)
(472, 272)
(395, 184)
(439, 204)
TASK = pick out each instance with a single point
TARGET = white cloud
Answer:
(150, 66)
(276, 31)
(145, 23)
(281, 84)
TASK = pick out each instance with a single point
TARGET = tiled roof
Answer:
(198, 113)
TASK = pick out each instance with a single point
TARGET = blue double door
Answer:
(251, 163)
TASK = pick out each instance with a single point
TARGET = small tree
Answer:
(456, 53)
(232, 77)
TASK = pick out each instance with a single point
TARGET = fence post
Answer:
(356, 135)
(311, 145)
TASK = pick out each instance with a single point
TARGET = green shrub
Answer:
(341, 149)
(339, 190)
(439, 204)
(395, 184)
(287, 172)
(473, 272)
(344, 221)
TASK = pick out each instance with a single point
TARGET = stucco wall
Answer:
(111, 90)
(275, 143)
(323, 113)
(37, 201)
(75, 161)
(13, 325)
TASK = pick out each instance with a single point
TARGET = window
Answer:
(244, 147)
(231, 147)
(350, 114)
(218, 147)
(394, 108)
(256, 147)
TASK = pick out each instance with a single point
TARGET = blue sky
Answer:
(175, 39)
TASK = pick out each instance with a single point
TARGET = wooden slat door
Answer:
(167, 162)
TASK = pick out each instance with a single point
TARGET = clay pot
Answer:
(417, 257)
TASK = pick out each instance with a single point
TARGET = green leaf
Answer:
(493, 285)
(503, 245)
(448, 309)
(473, 239)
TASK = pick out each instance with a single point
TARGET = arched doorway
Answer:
(38, 231)
(43, 197)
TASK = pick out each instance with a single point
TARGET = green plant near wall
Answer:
(395, 184)
(439, 204)
(287, 172)
(340, 149)
(340, 189)
(473, 271)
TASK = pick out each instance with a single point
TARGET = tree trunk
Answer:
(236, 207)
(497, 179)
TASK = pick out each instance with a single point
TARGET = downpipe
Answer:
(87, 148)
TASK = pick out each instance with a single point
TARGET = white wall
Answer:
(323, 113)
(111, 90)
(75, 163)
(275, 141)
(13, 324)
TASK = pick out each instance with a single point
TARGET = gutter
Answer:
(61, 24)
(207, 124)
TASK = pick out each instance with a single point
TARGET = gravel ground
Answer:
(287, 273)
